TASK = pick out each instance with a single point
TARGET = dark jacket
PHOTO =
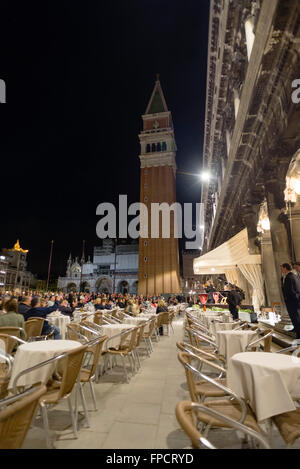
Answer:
(161, 309)
(291, 292)
(66, 310)
(234, 298)
(41, 312)
(22, 308)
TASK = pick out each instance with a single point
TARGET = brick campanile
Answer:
(158, 257)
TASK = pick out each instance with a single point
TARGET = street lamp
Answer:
(205, 176)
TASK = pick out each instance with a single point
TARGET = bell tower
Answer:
(158, 257)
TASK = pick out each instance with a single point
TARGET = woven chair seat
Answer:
(209, 389)
(123, 350)
(85, 375)
(230, 409)
(288, 425)
(51, 396)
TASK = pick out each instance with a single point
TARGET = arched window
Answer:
(158, 147)
(164, 146)
(153, 149)
(148, 148)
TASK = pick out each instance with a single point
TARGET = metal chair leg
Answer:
(46, 425)
(84, 405)
(73, 417)
(93, 394)
(124, 367)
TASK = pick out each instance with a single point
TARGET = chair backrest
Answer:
(140, 334)
(16, 331)
(187, 412)
(184, 358)
(15, 419)
(164, 318)
(95, 348)
(8, 341)
(6, 361)
(71, 365)
(34, 326)
(186, 420)
(128, 340)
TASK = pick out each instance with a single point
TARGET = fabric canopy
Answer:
(227, 256)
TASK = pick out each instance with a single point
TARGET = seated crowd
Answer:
(15, 310)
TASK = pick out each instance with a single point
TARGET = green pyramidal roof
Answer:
(156, 105)
(157, 102)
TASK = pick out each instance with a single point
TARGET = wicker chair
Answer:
(89, 374)
(16, 415)
(148, 335)
(5, 372)
(139, 337)
(233, 407)
(200, 390)
(70, 364)
(266, 339)
(126, 348)
(187, 416)
(14, 331)
(33, 328)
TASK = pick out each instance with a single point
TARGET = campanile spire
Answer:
(158, 257)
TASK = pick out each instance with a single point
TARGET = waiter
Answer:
(291, 294)
(234, 300)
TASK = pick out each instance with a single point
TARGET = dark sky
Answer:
(79, 76)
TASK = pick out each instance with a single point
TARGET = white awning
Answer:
(227, 256)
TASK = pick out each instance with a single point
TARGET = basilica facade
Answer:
(114, 269)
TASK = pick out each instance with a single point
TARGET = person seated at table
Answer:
(97, 304)
(161, 308)
(109, 304)
(11, 317)
(121, 302)
(5, 300)
(24, 304)
(132, 308)
(37, 310)
(64, 308)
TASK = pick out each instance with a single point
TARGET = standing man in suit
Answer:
(291, 294)
(234, 300)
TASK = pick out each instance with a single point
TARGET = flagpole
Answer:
(82, 256)
(50, 260)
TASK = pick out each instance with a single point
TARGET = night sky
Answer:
(79, 76)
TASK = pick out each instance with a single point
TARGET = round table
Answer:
(111, 330)
(61, 321)
(269, 381)
(216, 326)
(232, 342)
(32, 353)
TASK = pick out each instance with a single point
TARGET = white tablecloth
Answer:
(221, 326)
(135, 321)
(113, 329)
(232, 342)
(61, 321)
(267, 380)
(32, 353)
(80, 315)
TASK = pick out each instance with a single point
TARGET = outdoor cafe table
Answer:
(113, 329)
(216, 326)
(59, 320)
(137, 320)
(268, 381)
(78, 315)
(232, 342)
(32, 353)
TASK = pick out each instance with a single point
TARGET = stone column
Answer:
(268, 269)
(294, 219)
(280, 241)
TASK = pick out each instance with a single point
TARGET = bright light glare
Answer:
(205, 176)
